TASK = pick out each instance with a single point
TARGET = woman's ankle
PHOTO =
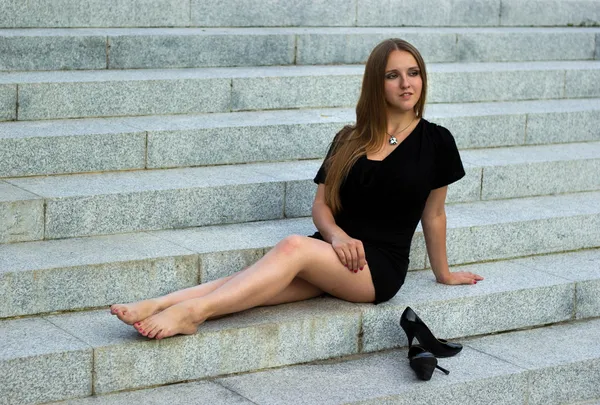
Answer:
(161, 303)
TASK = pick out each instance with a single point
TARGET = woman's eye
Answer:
(391, 76)
(414, 73)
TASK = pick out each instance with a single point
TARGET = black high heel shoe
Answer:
(414, 327)
(423, 363)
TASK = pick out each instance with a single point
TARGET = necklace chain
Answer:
(393, 140)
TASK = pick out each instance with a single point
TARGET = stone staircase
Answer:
(151, 145)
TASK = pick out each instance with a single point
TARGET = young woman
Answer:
(380, 177)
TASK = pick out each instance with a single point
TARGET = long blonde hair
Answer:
(370, 130)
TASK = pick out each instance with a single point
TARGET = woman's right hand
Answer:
(350, 251)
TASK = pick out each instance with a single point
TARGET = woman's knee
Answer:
(292, 244)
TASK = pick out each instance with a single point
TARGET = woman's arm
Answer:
(323, 217)
(350, 251)
(433, 221)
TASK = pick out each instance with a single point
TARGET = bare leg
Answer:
(298, 290)
(311, 260)
(138, 311)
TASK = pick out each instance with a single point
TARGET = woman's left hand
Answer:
(460, 277)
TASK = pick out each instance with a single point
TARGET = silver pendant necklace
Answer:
(393, 140)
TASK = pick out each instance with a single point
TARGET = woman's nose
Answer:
(404, 82)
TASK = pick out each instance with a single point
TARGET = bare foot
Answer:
(172, 321)
(136, 311)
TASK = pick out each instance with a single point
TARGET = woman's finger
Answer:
(354, 260)
(348, 255)
(362, 260)
(342, 256)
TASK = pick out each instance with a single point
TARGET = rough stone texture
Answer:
(207, 139)
(248, 13)
(542, 178)
(559, 370)
(299, 194)
(94, 13)
(484, 131)
(42, 363)
(418, 250)
(58, 50)
(557, 127)
(550, 13)
(504, 123)
(40, 277)
(333, 86)
(299, 198)
(21, 215)
(469, 245)
(582, 83)
(222, 264)
(194, 393)
(256, 339)
(385, 378)
(93, 204)
(466, 189)
(478, 231)
(167, 209)
(491, 85)
(517, 45)
(51, 147)
(333, 46)
(581, 267)
(548, 169)
(428, 13)
(201, 141)
(456, 311)
(249, 236)
(77, 94)
(104, 98)
(194, 48)
(295, 92)
(8, 102)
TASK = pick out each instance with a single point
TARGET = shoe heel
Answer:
(424, 367)
(443, 370)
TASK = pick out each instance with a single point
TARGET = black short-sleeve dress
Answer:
(382, 201)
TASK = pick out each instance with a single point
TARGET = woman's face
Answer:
(403, 82)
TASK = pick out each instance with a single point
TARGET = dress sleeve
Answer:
(448, 165)
(322, 173)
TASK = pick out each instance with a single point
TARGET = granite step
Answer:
(544, 366)
(105, 93)
(486, 372)
(158, 48)
(63, 146)
(249, 13)
(516, 294)
(119, 202)
(81, 273)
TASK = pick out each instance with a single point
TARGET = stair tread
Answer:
(274, 71)
(89, 184)
(84, 126)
